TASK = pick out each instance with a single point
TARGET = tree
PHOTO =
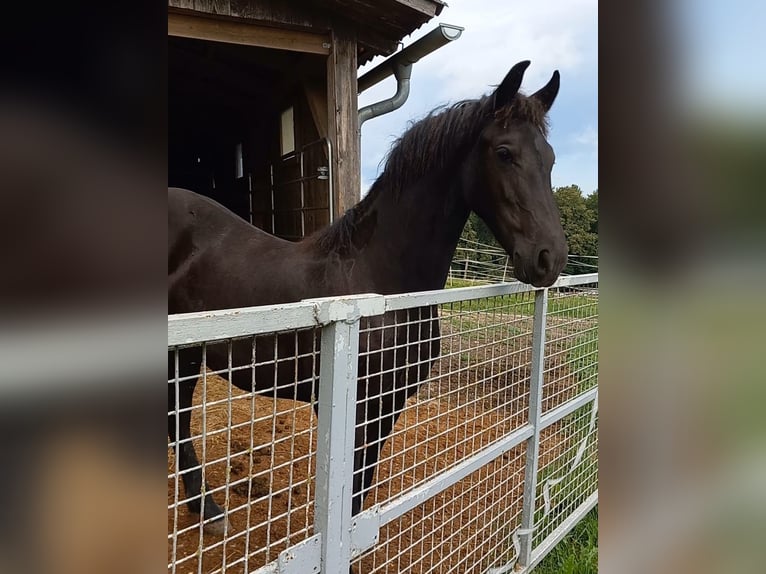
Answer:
(476, 230)
(469, 231)
(579, 217)
(483, 234)
(592, 203)
(576, 219)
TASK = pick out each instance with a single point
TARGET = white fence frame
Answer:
(339, 537)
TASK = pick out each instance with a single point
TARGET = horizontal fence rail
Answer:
(466, 417)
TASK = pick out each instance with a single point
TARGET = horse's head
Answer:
(512, 180)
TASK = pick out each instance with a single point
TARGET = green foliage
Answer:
(577, 218)
(469, 231)
(583, 358)
(577, 553)
(592, 204)
(476, 230)
(483, 234)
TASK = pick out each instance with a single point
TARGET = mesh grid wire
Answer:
(568, 469)
(468, 527)
(571, 344)
(475, 393)
(570, 369)
(256, 451)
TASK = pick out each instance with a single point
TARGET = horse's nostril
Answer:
(544, 261)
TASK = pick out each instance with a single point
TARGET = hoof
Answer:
(217, 526)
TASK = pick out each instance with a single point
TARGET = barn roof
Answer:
(382, 24)
(379, 24)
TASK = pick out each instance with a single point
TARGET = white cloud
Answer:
(498, 33)
(553, 35)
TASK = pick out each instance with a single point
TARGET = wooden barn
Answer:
(262, 101)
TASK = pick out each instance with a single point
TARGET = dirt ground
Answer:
(466, 528)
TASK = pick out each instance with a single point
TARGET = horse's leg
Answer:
(315, 404)
(381, 416)
(374, 434)
(382, 413)
(189, 361)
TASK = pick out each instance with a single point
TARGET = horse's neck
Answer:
(417, 231)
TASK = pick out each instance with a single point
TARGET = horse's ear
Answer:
(510, 85)
(547, 93)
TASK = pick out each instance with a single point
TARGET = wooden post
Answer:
(343, 120)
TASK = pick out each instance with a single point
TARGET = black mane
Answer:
(433, 143)
(430, 145)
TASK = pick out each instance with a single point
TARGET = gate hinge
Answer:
(302, 558)
(365, 530)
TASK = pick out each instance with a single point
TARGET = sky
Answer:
(552, 34)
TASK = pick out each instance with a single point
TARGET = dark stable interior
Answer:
(225, 103)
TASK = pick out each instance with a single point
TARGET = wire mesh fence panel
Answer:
(571, 344)
(476, 263)
(437, 443)
(568, 469)
(447, 386)
(469, 527)
(255, 440)
(450, 387)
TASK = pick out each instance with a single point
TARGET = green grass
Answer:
(577, 553)
(453, 283)
(583, 358)
(568, 306)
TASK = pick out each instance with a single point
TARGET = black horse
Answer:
(488, 155)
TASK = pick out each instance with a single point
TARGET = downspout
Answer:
(400, 65)
(402, 73)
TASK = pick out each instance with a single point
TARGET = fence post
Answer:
(526, 531)
(336, 425)
(335, 457)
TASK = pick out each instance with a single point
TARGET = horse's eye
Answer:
(504, 154)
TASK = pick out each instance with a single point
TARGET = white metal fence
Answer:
(491, 460)
(478, 263)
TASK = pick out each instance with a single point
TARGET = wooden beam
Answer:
(343, 119)
(295, 13)
(245, 33)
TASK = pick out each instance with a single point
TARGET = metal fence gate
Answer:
(492, 461)
(301, 199)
